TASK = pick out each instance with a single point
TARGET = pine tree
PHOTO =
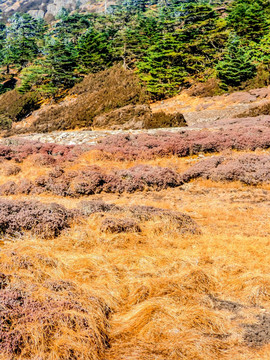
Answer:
(59, 65)
(236, 65)
(21, 40)
(163, 69)
(249, 18)
(94, 51)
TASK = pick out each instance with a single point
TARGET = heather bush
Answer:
(115, 225)
(250, 169)
(43, 153)
(94, 180)
(45, 220)
(238, 134)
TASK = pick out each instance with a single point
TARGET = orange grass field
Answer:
(156, 294)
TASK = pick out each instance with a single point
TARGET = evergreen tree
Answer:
(249, 18)
(59, 65)
(236, 65)
(21, 41)
(163, 69)
(94, 51)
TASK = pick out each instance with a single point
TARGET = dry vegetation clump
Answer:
(94, 180)
(44, 220)
(211, 87)
(15, 106)
(44, 153)
(138, 117)
(115, 225)
(250, 169)
(11, 170)
(178, 221)
(237, 134)
(256, 111)
(90, 207)
(95, 95)
(162, 120)
(46, 317)
(258, 334)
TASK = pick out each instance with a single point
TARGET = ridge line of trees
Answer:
(170, 44)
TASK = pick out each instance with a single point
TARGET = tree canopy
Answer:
(170, 44)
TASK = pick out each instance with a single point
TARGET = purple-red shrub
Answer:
(250, 169)
(94, 180)
(239, 134)
(45, 220)
(44, 153)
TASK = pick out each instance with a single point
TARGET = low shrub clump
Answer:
(181, 222)
(94, 180)
(11, 170)
(138, 117)
(250, 169)
(44, 220)
(44, 153)
(238, 134)
(43, 317)
(115, 225)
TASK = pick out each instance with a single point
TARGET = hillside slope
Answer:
(48, 9)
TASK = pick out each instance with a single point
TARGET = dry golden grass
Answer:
(163, 288)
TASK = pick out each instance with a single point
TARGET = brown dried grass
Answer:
(158, 283)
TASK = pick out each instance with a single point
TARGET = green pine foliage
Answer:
(236, 66)
(170, 44)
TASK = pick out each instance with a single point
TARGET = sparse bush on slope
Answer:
(16, 106)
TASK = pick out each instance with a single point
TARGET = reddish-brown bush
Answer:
(239, 134)
(44, 153)
(250, 169)
(45, 220)
(93, 180)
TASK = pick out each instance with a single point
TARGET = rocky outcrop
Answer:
(48, 9)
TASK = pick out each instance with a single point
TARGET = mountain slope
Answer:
(48, 9)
